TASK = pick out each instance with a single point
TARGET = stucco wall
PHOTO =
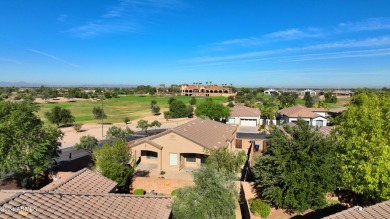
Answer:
(174, 143)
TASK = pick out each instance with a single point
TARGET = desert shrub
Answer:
(162, 172)
(174, 192)
(139, 192)
(77, 127)
(259, 207)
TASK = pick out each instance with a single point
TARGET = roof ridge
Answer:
(17, 194)
(94, 194)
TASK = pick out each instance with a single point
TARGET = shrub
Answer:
(174, 192)
(230, 104)
(259, 207)
(162, 172)
(139, 192)
(77, 127)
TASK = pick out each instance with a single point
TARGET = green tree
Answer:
(126, 120)
(155, 124)
(171, 99)
(98, 113)
(167, 115)
(364, 145)
(152, 103)
(114, 162)
(87, 142)
(287, 100)
(193, 101)
(213, 196)
(179, 109)
(143, 125)
(294, 172)
(27, 147)
(224, 159)
(58, 116)
(115, 132)
(309, 102)
(212, 110)
(269, 108)
(330, 98)
(155, 109)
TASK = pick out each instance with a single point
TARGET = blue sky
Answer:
(274, 43)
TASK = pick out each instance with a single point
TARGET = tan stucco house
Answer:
(183, 146)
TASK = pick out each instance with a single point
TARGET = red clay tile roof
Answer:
(378, 211)
(238, 110)
(38, 204)
(298, 111)
(83, 181)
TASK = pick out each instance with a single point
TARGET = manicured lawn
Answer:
(117, 108)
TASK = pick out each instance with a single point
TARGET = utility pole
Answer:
(102, 114)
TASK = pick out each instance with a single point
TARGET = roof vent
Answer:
(358, 208)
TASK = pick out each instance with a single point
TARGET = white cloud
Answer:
(365, 43)
(126, 16)
(370, 24)
(53, 57)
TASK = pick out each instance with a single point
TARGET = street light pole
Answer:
(102, 114)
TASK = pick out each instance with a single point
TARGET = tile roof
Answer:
(38, 204)
(238, 110)
(299, 111)
(338, 110)
(381, 210)
(206, 132)
(83, 181)
(326, 130)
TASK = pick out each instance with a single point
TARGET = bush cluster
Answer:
(259, 207)
(139, 192)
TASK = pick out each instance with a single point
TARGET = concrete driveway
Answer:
(247, 129)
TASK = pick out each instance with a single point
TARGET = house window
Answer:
(191, 158)
(151, 155)
(319, 123)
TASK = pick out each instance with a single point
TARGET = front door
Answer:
(172, 159)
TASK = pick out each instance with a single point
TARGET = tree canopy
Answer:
(98, 113)
(115, 132)
(364, 145)
(87, 142)
(223, 159)
(309, 101)
(27, 147)
(113, 162)
(213, 196)
(58, 115)
(143, 125)
(287, 100)
(297, 169)
(212, 110)
(179, 109)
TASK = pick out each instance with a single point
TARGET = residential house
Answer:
(378, 211)
(183, 146)
(311, 92)
(271, 91)
(244, 116)
(315, 116)
(84, 194)
(347, 93)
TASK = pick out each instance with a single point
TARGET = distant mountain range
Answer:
(25, 84)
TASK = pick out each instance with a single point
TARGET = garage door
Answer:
(231, 121)
(248, 122)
